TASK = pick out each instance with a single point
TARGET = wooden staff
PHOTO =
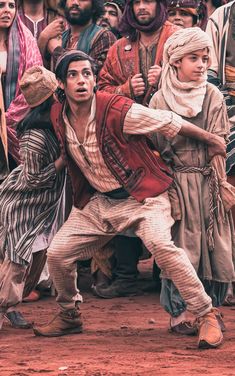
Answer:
(4, 166)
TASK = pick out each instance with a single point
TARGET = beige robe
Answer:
(193, 193)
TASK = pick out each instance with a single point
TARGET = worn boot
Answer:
(210, 334)
(66, 322)
(116, 289)
(17, 320)
(101, 280)
(127, 253)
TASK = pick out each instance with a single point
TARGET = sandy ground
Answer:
(122, 336)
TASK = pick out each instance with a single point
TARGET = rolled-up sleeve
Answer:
(143, 120)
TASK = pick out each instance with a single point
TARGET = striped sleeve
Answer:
(38, 173)
(143, 120)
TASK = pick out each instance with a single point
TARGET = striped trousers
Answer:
(90, 229)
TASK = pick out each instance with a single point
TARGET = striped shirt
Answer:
(138, 120)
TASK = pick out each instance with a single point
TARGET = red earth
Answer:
(122, 336)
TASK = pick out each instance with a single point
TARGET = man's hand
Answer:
(54, 29)
(53, 43)
(137, 85)
(154, 75)
(216, 146)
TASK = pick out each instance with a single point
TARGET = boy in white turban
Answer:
(201, 198)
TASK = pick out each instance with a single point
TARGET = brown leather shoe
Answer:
(185, 328)
(210, 334)
(66, 322)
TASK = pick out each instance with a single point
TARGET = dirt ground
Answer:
(122, 336)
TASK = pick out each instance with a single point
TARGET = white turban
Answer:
(184, 98)
(183, 42)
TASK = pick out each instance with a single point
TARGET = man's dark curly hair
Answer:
(97, 6)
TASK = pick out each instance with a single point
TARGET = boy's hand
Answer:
(216, 146)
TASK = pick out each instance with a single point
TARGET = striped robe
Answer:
(218, 30)
(30, 195)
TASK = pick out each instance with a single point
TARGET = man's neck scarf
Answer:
(129, 25)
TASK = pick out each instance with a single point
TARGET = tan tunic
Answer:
(193, 191)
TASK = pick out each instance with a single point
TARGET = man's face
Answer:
(145, 11)
(110, 17)
(78, 12)
(80, 82)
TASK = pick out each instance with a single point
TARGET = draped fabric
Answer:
(184, 98)
(30, 196)
(22, 53)
(129, 26)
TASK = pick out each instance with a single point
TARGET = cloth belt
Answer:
(214, 196)
(119, 193)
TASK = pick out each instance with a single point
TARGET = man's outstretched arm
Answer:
(143, 120)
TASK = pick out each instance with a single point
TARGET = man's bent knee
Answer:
(55, 256)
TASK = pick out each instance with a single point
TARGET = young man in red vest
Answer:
(133, 68)
(118, 183)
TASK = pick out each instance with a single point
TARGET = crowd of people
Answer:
(117, 140)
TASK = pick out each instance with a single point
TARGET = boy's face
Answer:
(192, 66)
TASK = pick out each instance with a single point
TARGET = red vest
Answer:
(137, 167)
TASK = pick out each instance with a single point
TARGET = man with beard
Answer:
(111, 18)
(83, 33)
(133, 69)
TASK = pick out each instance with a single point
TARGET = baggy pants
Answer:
(91, 228)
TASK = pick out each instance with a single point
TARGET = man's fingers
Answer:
(137, 75)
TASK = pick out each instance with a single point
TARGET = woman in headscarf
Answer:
(202, 198)
(18, 52)
(187, 13)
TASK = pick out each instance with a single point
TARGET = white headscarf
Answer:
(184, 98)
